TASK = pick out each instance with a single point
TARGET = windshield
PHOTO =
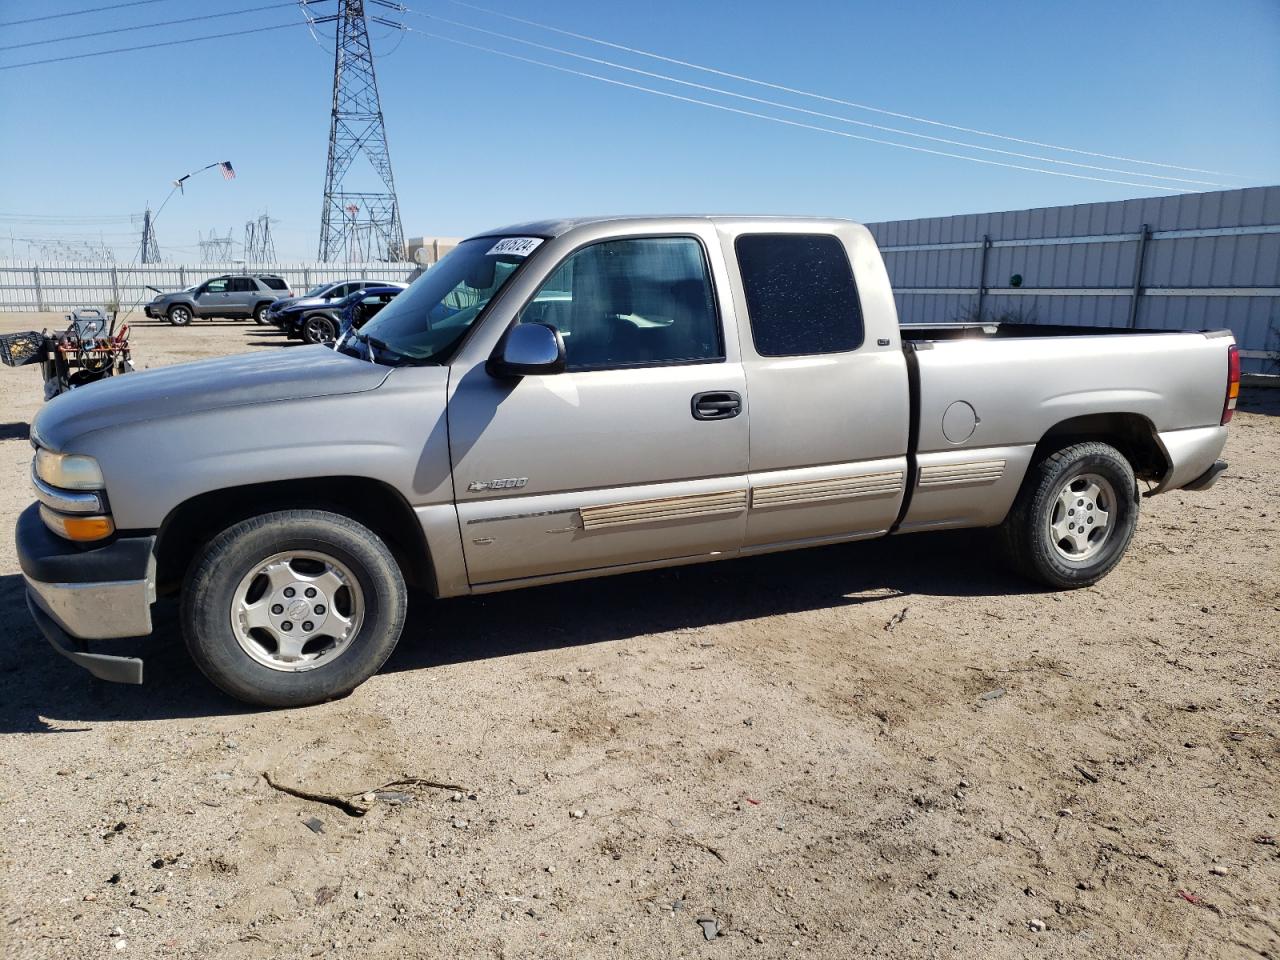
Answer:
(316, 291)
(428, 319)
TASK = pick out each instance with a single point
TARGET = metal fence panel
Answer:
(69, 285)
(1208, 261)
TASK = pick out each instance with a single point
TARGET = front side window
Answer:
(429, 318)
(631, 302)
(216, 286)
(801, 297)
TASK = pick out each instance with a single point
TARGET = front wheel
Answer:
(180, 316)
(293, 608)
(319, 329)
(260, 314)
(1074, 516)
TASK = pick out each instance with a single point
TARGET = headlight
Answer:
(69, 471)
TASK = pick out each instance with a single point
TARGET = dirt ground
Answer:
(890, 749)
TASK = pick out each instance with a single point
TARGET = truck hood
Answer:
(293, 373)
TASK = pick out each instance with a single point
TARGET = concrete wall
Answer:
(429, 250)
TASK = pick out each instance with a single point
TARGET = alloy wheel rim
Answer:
(297, 610)
(1083, 517)
(319, 331)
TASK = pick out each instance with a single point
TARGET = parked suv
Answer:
(232, 297)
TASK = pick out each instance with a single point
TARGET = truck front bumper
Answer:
(77, 593)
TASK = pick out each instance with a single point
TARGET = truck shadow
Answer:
(1263, 400)
(41, 692)
(620, 608)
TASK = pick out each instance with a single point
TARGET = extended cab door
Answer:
(637, 452)
(827, 377)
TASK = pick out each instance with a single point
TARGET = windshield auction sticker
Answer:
(515, 246)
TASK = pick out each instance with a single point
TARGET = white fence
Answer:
(68, 285)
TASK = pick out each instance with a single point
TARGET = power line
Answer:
(78, 13)
(813, 113)
(41, 219)
(791, 123)
(152, 46)
(147, 26)
(837, 100)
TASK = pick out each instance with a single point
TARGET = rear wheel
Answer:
(260, 314)
(179, 315)
(1074, 516)
(293, 608)
(319, 329)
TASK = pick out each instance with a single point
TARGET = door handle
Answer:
(716, 405)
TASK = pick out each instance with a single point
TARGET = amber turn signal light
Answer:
(80, 529)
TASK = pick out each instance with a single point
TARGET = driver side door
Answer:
(211, 299)
(611, 463)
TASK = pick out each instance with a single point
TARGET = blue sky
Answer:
(478, 140)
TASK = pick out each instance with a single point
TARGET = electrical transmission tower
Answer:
(150, 252)
(215, 249)
(373, 230)
(258, 245)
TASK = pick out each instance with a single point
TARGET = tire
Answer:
(236, 580)
(260, 314)
(1073, 517)
(180, 315)
(319, 329)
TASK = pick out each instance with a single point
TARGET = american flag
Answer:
(227, 172)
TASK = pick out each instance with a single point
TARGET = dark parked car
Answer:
(321, 295)
(323, 323)
(231, 297)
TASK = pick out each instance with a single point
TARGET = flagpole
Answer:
(227, 173)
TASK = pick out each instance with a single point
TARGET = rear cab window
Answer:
(801, 296)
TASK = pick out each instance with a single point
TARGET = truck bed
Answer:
(984, 395)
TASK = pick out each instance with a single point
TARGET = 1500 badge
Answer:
(510, 483)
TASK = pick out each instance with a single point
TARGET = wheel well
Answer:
(1130, 433)
(193, 523)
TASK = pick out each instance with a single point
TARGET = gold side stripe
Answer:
(815, 491)
(953, 474)
(666, 508)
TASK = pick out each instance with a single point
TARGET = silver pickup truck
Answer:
(575, 398)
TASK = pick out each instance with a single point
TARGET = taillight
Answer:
(1233, 383)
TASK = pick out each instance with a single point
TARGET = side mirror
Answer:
(528, 349)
